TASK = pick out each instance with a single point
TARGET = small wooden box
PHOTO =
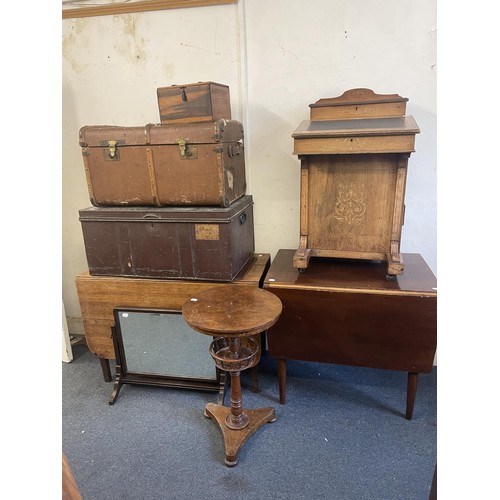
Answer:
(353, 179)
(194, 102)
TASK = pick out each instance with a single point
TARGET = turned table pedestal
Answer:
(233, 316)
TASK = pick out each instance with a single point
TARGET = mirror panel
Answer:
(162, 343)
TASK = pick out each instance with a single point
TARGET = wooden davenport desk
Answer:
(100, 295)
(346, 312)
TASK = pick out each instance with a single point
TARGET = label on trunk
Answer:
(206, 231)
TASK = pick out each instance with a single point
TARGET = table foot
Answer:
(234, 439)
(116, 389)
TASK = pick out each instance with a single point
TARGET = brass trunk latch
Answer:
(111, 152)
(112, 148)
(187, 151)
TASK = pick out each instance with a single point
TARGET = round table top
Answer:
(229, 311)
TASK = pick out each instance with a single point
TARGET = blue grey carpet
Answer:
(341, 435)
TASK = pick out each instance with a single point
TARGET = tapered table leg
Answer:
(282, 379)
(106, 370)
(411, 394)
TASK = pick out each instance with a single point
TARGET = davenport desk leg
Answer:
(411, 393)
(282, 379)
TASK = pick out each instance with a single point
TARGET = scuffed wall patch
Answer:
(87, 37)
(168, 71)
(74, 42)
(132, 44)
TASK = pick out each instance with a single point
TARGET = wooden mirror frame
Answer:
(124, 376)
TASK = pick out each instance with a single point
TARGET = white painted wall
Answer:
(277, 57)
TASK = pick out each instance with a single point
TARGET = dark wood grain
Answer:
(229, 312)
(194, 102)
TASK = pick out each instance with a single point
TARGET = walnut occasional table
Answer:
(233, 316)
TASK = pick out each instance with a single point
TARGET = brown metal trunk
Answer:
(199, 243)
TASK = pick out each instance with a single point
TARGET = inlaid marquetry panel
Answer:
(350, 202)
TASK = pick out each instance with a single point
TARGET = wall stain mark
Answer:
(132, 47)
(73, 42)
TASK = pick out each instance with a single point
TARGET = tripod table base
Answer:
(234, 439)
